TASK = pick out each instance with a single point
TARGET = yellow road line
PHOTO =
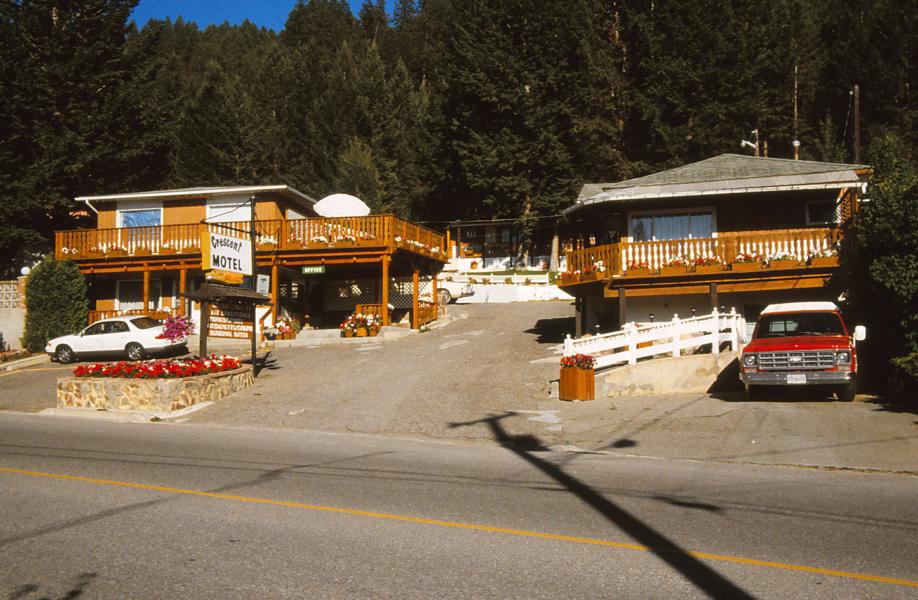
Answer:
(471, 526)
(31, 370)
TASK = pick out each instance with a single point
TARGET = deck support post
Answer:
(182, 278)
(205, 325)
(713, 296)
(434, 294)
(146, 289)
(275, 301)
(415, 304)
(621, 307)
(384, 296)
(578, 316)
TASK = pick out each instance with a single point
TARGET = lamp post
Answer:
(253, 286)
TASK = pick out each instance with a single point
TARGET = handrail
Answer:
(669, 338)
(261, 322)
(613, 260)
(291, 234)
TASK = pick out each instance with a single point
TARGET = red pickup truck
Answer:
(802, 343)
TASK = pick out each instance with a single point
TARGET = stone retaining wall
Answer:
(150, 394)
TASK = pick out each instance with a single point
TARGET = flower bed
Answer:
(159, 385)
(160, 369)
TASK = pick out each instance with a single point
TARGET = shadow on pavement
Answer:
(552, 331)
(893, 405)
(83, 580)
(699, 574)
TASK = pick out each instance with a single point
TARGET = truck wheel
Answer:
(846, 392)
(753, 392)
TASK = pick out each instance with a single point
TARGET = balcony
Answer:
(384, 233)
(732, 252)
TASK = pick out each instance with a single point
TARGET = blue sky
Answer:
(268, 13)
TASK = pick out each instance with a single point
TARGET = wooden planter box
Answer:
(708, 269)
(142, 252)
(95, 254)
(342, 244)
(362, 332)
(824, 261)
(638, 272)
(116, 253)
(745, 267)
(167, 251)
(316, 245)
(783, 264)
(577, 384)
(191, 250)
(267, 247)
(589, 276)
(673, 271)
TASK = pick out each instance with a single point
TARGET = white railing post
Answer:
(568, 346)
(715, 331)
(734, 330)
(630, 331)
(677, 330)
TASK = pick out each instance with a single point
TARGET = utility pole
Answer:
(857, 124)
(796, 141)
(253, 286)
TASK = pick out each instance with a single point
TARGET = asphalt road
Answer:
(165, 510)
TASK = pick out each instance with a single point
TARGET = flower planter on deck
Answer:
(638, 273)
(708, 269)
(673, 271)
(116, 253)
(316, 245)
(342, 244)
(142, 252)
(166, 251)
(745, 267)
(267, 247)
(577, 384)
(783, 264)
(824, 261)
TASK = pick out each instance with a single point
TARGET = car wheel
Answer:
(444, 296)
(846, 392)
(135, 351)
(65, 355)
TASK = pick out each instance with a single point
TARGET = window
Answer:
(143, 323)
(144, 217)
(129, 295)
(228, 209)
(671, 226)
(781, 325)
(822, 212)
(119, 327)
(95, 329)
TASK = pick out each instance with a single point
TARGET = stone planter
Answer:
(745, 267)
(708, 269)
(824, 261)
(577, 384)
(111, 393)
(783, 264)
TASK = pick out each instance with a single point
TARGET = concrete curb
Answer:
(123, 416)
(25, 362)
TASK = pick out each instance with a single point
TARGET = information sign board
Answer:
(230, 321)
(313, 269)
(227, 258)
(263, 284)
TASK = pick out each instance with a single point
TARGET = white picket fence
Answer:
(668, 338)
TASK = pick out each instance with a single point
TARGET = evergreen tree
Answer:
(56, 303)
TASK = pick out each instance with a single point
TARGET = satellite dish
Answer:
(341, 205)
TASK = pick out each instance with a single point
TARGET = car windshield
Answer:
(145, 322)
(786, 325)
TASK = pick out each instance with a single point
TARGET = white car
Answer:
(134, 337)
(450, 291)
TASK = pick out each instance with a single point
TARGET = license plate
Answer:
(793, 378)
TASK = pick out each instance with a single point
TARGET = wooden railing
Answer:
(612, 260)
(293, 234)
(427, 312)
(666, 338)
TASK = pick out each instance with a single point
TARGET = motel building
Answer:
(146, 256)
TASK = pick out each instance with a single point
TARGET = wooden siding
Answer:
(178, 212)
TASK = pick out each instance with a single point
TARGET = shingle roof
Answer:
(725, 174)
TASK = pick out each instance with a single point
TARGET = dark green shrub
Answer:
(56, 303)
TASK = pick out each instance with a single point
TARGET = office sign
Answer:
(225, 258)
(314, 270)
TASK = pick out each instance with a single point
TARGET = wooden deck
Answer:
(656, 264)
(382, 233)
